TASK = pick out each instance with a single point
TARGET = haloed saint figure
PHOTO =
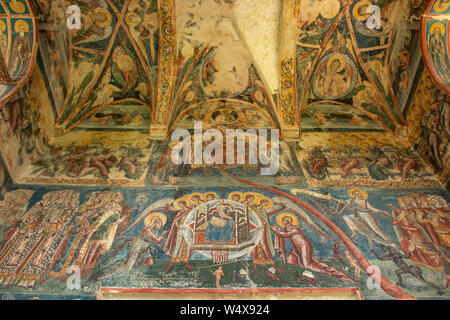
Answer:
(439, 56)
(20, 52)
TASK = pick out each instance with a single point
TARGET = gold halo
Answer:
(107, 22)
(282, 215)
(333, 11)
(132, 16)
(437, 25)
(251, 193)
(378, 64)
(17, 7)
(201, 195)
(230, 196)
(356, 8)
(216, 196)
(2, 25)
(334, 58)
(352, 191)
(176, 206)
(159, 215)
(265, 198)
(438, 8)
(125, 63)
(21, 23)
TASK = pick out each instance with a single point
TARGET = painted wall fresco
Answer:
(366, 159)
(206, 37)
(164, 173)
(429, 130)
(18, 46)
(101, 159)
(20, 130)
(177, 238)
(435, 42)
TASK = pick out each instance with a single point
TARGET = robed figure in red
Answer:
(302, 250)
(176, 246)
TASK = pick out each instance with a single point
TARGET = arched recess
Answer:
(330, 53)
(435, 42)
(112, 64)
(18, 46)
(211, 63)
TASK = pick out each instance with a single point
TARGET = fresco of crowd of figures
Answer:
(89, 192)
(260, 237)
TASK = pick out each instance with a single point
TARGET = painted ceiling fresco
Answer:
(346, 64)
(91, 205)
(112, 62)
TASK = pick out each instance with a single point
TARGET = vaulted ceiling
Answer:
(139, 65)
(135, 70)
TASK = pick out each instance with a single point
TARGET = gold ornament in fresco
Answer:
(17, 6)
